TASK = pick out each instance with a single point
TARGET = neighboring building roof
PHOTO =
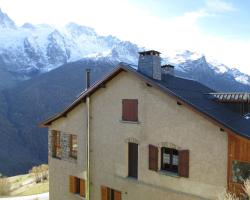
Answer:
(187, 92)
(237, 97)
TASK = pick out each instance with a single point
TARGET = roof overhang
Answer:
(124, 67)
(82, 97)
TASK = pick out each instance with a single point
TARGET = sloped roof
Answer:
(187, 92)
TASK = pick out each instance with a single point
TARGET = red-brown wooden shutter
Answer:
(130, 109)
(53, 143)
(104, 193)
(183, 168)
(72, 184)
(82, 188)
(153, 158)
(118, 195)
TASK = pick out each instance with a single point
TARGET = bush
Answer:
(40, 173)
(5, 186)
(230, 196)
(227, 196)
(247, 187)
(45, 171)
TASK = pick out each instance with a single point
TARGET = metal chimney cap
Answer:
(150, 52)
(167, 65)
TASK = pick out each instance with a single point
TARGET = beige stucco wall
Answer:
(60, 170)
(160, 120)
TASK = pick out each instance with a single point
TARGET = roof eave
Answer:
(82, 97)
(124, 67)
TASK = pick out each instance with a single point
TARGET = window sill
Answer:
(132, 178)
(68, 159)
(58, 158)
(80, 197)
(129, 122)
(73, 158)
(167, 173)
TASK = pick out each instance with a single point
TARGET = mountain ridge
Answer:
(28, 50)
(32, 49)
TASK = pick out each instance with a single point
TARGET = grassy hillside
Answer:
(22, 185)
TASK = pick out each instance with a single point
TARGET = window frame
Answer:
(78, 183)
(171, 167)
(133, 167)
(111, 194)
(56, 150)
(72, 152)
(108, 193)
(239, 171)
(77, 186)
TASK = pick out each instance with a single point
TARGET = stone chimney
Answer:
(150, 64)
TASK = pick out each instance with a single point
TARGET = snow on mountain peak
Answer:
(181, 56)
(28, 26)
(40, 48)
(5, 21)
(78, 30)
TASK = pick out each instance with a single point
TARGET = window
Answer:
(172, 160)
(77, 186)
(110, 194)
(133, 160)
(77, 183)
(240, 171)
(169, 159)
(130, 110)
(73, 146)
(56, 147)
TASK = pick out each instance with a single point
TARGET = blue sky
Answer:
(225, 18)
(217, 28)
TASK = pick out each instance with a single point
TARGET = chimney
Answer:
(150, 64)
(87, 78)
(168, 69)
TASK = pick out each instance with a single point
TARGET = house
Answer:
(148, 134)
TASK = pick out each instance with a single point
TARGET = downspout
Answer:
(88, 136)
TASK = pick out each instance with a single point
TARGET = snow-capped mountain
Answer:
(32, 49)
(199, 67)
(5, 21)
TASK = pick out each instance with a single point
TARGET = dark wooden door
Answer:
(133, 160)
